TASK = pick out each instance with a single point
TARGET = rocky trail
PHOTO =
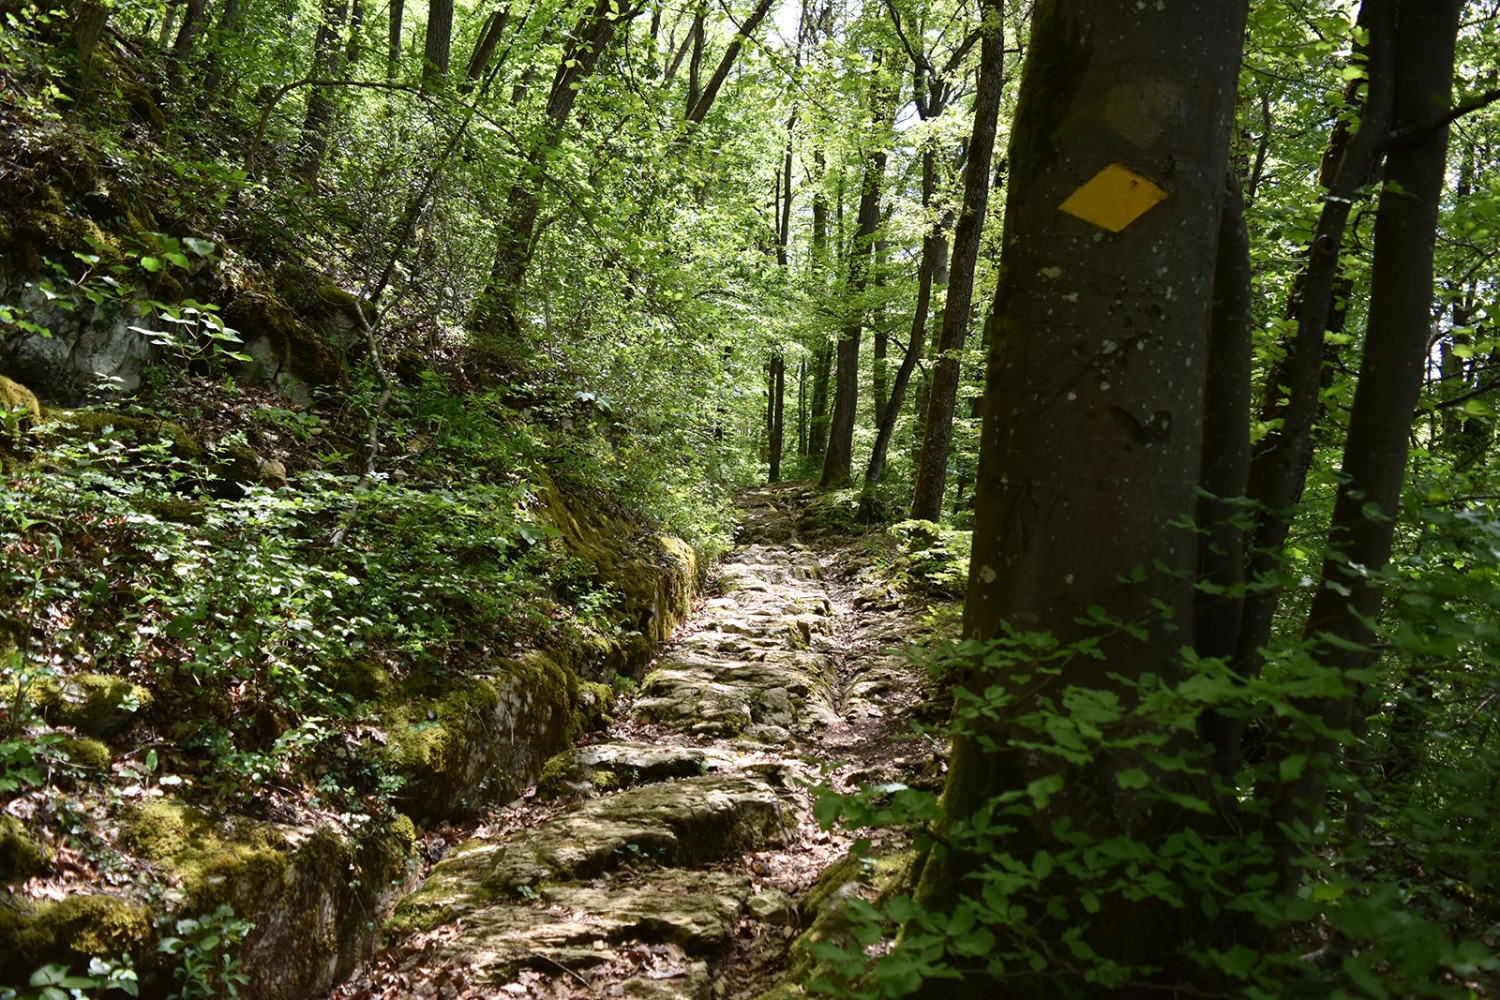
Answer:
(668, 858)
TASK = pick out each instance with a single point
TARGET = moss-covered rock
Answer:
(69, 931)
(682, 823)
(90, 755)
(480, 740)
(97, 705)
(656, 575)
(90, 425)
(310, 893)
(288, 350)
(15, 396)
(20, 856)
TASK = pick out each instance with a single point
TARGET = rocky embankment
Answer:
(672, 857)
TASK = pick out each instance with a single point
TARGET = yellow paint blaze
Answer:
(1113, 198)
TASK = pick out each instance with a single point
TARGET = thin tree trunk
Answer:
(318, 122)
(1369, 498)
(937, 438)
(1279, 462)
(698, 107)
(495, 323)
(838, 460)
(484, 49)
(933, 250)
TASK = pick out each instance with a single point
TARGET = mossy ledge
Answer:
(311, 893)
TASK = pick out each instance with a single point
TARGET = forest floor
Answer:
(669, 857)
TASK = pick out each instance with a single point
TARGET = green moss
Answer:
(46, 228)
(70, 931)
(91, 755)
(87, 425)
(20, 856)
(364, 680)
(97, 705)
(213, 869)
(14, 395)
(591, 708)
(297, 347)
(165, 830)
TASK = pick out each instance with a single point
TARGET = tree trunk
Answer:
(1226, 465)
(1278, 467)
(393, 39)
(484, 49)
(495, 323)
(777, 411)
(1364, 516)
(437, 51)
(933, 249)
(839, 459)
(937, 437)
(318, 122)
(1092, 440)
(698, 107)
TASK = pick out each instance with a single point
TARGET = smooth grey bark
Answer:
(1094, 392)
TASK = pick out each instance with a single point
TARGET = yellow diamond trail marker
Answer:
(1113, 198)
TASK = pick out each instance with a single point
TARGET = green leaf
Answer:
(1042, 789)
(152, 264)
(202, 248)
(1291, 768)
(1133, 778)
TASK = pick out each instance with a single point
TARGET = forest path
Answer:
(665, 861)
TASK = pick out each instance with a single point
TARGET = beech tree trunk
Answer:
(1093, 416)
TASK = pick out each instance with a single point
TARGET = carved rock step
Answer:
(778, 692)
(694, 821)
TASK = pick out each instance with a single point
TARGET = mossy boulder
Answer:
(288, 351)
(69, 931)
(480, 740)
(15, 396)
(19, 409)
(656, 575)
(91, 425)
(20, 856)
(695, 821)
(310, 892)
(91, 756)
(44, 227)
(96, 705)
(831, 514)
